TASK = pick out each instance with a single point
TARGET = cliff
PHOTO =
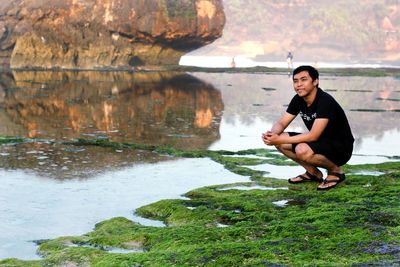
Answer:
(87, 34)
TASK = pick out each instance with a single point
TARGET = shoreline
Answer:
(337, 71)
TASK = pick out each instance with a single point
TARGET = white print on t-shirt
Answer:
(308, 118)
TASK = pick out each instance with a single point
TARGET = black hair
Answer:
(314, 74)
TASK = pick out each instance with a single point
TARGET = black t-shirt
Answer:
(324, 106)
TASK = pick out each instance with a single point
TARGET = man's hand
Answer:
(269, 138)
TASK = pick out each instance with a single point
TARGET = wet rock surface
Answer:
(87, 34)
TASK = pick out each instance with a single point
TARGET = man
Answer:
(327, 144)
(289, 60)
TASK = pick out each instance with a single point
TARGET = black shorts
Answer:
(336, 151)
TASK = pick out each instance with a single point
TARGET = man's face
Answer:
(303, 83)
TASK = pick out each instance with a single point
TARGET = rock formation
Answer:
(92, 34)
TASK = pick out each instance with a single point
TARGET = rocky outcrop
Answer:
(87, 34)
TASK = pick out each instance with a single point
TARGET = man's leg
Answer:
(310, 161)
(307, 155)
(286, 149)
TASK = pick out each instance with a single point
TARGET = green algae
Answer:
(374, 110)
(362, 72)
(182, 10)
(355, 224)
(10, 139)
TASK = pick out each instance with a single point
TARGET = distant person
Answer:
(233, 63)
(327, 144)
(289, 60)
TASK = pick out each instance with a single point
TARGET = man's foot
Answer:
(332, 180)
(306, 177)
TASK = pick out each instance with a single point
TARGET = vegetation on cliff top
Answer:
(314, 30)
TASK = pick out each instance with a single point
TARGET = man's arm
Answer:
(282, 123)
(313, 135)
(278, 127)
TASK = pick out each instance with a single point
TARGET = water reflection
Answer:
(196, 111)
(179, 109)
(371, 104)
(154, 108)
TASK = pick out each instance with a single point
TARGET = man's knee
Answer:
(278, 147)
(283, 147)
(303, 151)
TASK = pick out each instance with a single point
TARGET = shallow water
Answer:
(33, 207)
(50, 190)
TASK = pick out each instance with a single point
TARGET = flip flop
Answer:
(310, 178)
(341, 177)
